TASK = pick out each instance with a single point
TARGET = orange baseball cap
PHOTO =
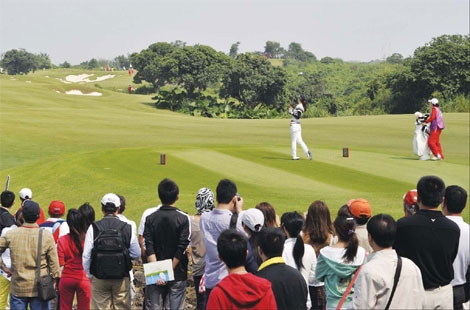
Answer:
(360, 207)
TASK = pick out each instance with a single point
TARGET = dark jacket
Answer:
(167, 235)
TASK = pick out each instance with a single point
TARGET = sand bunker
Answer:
(85, 78)
(79, 92)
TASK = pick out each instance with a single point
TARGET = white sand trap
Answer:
(79, 92)
(85, 78)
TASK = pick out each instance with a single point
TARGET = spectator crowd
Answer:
(239, 257)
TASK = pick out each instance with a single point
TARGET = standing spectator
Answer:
(108, 270)
(240, 289)
(23, 245)
(55, 223)
(271, 219)
(337, 264)
(288, 284)
(88, 214)
(7, 220)
(213, 223)
(318, 232)
(252, 222)
(373, 287)
(410, 202)
(296, 129)
(455, 199)
(73, 279)
(26, 194)
(167, 235)
(437, 125)
(204, 203)
(296, 253)
(123, 218)
(361, 211)
(431, 241)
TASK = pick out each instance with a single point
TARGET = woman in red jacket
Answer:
(69, 249)
(437, 125)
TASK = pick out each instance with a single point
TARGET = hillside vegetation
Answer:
(77, 148)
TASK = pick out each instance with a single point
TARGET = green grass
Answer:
(77, 148)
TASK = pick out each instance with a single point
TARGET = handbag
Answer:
(45, 284)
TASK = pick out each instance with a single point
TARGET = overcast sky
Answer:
(360, 30)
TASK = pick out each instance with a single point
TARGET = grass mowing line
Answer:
(255, 173)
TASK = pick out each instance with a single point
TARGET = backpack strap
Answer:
(395, 282)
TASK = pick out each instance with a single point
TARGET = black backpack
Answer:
(110, 257)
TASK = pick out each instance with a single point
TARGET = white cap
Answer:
(253, 218)
(111, 198)
(26, 193)
(418, 114)
(434, 101)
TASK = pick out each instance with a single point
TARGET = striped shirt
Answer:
(23, 245)
(296, 114)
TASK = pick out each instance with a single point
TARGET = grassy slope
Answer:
(77, 148)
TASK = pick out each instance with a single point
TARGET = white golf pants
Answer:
(296, 137)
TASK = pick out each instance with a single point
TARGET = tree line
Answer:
(201, 81)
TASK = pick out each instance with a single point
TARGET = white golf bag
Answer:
(421, 135)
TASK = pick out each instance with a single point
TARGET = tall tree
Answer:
(234, 50)
(19, 61)
(273, 49)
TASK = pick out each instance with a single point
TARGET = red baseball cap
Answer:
(57, 207)
(411, 197)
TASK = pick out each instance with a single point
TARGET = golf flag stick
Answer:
(8, 183)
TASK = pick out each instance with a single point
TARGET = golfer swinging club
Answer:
(295, 129)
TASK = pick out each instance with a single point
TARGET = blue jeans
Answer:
(21, 303)
(169, 296)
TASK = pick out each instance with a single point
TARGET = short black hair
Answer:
(455, 198)
(271, 241)
(122, 207)
(232, 248)
(382, 229)
(7, 198)
(225, 191)
(431, 190)
(168, 191)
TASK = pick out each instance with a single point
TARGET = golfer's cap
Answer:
(30, 208)
(411, 197)
(434, 101)
(253, 218)
(359, 208)
(57, 207)
(111, 198)
(26, 193)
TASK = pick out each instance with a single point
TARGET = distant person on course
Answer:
(296, 130)
(437, 125)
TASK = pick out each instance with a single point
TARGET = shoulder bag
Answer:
(45, 284)
(395, 282)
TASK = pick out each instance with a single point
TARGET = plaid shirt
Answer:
(23, 245)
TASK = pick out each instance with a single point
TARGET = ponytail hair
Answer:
(345, 229)
(293, 223)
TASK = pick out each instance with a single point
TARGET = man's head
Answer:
(382, 229)
(360, 210)
(455, 199)
(25, 193)
(225, 191)
(271, 241)
(56, 209)
(30, 211)
(431, 191)
(7, 199)
(168, 191)
(232, 248)
(410, 202)
(110, 203)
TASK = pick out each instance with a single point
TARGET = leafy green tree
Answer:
(19, 62)
(121, 62)
(44, 61)
(253, 80)
(395, 58)
(234, 50)
(296, 52)
(65, 65)
(273, 49)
